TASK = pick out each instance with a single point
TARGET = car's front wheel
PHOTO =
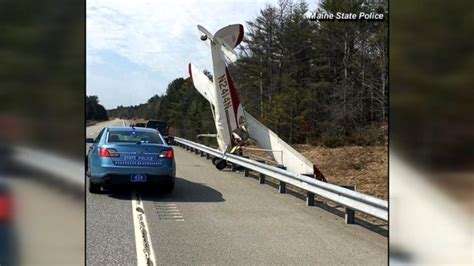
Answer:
(94, 188)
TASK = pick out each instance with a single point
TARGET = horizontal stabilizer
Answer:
(232, 35)
(228, 53)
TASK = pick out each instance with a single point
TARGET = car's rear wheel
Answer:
(94, 188)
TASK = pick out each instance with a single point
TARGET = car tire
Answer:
(88, 171)
(168, 188)
(94, 188)
(221, 164)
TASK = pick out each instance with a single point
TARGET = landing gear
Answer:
(221, 164)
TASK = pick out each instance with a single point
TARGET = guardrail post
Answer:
(196, 151)
(208, 156)
(282, 185)
(310, 195)
(233, 167)
(261, 177)
(349, 213)
(246, 170)
(310, 198)
(202, 154)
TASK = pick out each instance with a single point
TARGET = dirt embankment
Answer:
(364, 167)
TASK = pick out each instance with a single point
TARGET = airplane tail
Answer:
(232, 35)
(228, 38)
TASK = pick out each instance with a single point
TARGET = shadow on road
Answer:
(184, 191)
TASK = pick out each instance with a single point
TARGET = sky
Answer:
(135, 48)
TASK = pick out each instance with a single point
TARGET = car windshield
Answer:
(134, 137)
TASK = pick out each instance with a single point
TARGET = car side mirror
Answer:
(90, 140)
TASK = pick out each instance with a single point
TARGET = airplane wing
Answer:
(280, 151)
(202, 83)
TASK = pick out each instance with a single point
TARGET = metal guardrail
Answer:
(352, 200)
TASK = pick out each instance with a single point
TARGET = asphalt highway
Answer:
(219, 217)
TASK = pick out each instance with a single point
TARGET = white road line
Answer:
(145, 253)
(123, 121)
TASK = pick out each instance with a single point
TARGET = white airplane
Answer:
(235, 127)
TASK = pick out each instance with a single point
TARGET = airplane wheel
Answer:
(221, 164)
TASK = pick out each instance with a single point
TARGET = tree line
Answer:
(94, 110)
(318, 82)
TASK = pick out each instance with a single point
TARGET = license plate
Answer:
(138, 178)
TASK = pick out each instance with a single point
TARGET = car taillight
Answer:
(108, 152)
(5, 208)
(168, 154)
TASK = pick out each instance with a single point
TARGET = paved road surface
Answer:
(220, 217)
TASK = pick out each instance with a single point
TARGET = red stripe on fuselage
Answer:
(233, 95)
